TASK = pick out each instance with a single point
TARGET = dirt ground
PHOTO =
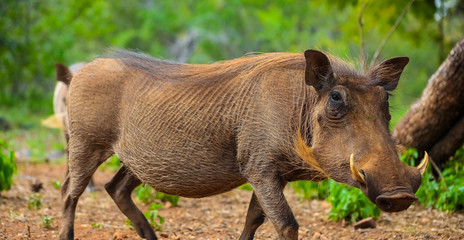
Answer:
(217, 217)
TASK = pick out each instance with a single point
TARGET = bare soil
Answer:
(217, 217)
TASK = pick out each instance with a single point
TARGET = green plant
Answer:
(129, 223)
(246, 187)
(311, 190)
(47, 221)
(113, 163)
(146, 194)
(163, 197)
(15, 215)
(350, 203)
(152, 215)
(35, 201)
(96, 225)
(409, 156)
(56, 184)
(447, 192)
(7, 167)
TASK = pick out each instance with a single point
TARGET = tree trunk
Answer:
(435, 122)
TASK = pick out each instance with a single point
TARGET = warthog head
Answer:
(348, 130)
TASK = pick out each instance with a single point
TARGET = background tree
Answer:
(435, 122)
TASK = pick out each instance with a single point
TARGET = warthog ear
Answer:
(62, 73)
(387, 73)
(318, 71)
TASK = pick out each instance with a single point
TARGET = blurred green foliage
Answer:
(35, 201)
(312, 190)
(47, 222)
(35, 34)
(113, 163)
(27, 137)
(7, 166)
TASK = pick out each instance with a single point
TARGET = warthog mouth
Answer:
(395, 201)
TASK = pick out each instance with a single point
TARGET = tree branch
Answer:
(392, 30)
(434, 165)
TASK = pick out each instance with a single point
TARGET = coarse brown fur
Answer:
(199, 130)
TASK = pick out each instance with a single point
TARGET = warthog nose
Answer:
(396, 202)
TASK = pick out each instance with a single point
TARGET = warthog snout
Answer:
(394, 195)
(395, 202)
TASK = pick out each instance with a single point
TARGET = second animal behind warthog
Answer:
(200, 130)
(60, 105)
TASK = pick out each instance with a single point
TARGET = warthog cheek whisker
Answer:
(305, 152)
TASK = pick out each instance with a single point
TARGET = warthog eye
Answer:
(335, 107)
(336, 97)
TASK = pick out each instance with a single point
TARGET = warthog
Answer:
(200, 130)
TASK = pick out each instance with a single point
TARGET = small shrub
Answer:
(47, 222)
(146, 194)
(163, 197)
(312, 190)
(7, 167)
(35, 201)
(152, 215)
(409, 157)
(350, 203)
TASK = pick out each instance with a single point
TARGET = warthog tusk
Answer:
(423, 165)
(358, 175)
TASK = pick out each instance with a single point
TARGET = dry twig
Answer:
(361, 35)
(392, 30)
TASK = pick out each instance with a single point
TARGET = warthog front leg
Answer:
(120, 188)
(254, 218)
(269, 193)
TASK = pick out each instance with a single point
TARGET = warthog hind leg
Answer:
(82, 165)
(120, 188)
